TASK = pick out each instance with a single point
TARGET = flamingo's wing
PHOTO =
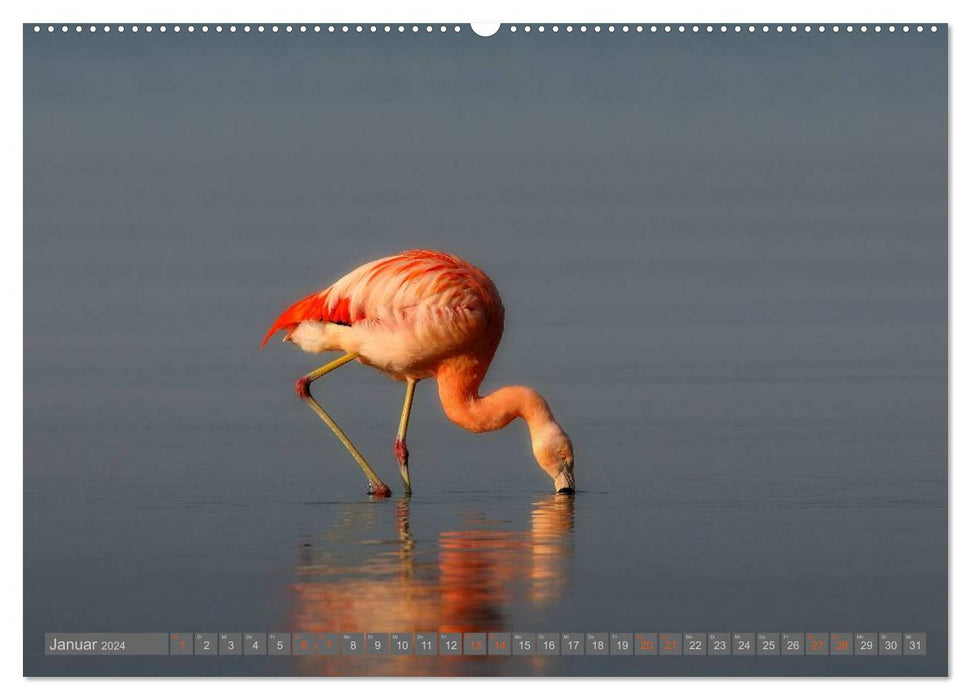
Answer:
(387, 287)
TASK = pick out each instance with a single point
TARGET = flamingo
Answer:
(417, 315)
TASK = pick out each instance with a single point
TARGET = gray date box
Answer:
(548, 643)
(621, 643)
(450, 644)
(743, 644)
(377, 643)
(474, 643)
(915, 643)
(891, 644)
(695, 644)
(230, 644)
(180, 644)
(254, 643)
(278, 644)
(840, 644)
(865, 644)
(328, 643)
(352, 643)
(793, 644)
(500, 644)
(645, 644)
(669, 643)
(767, 644)
(571, 644)
(303, 643)
(402, 644)
(719, 644)
(598, 644)
(206, 643)
(426, 643)
(817, 643)
(523, 643)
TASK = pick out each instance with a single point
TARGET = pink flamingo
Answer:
(416, 315)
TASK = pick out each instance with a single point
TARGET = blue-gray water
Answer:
(724, 263)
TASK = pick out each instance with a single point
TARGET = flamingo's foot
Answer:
(379, 491)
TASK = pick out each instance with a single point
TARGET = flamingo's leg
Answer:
(375, 485)
(400, 448)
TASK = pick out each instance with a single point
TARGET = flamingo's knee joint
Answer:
(400, 451)
(302, 387)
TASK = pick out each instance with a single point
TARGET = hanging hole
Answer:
(485, 28)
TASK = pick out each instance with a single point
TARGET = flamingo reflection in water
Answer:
(470, 581)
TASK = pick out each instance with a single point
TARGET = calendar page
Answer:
(538, 349)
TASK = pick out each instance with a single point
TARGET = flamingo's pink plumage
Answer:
(386, 288)
(420, 314)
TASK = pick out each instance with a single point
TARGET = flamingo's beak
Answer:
(564, 482)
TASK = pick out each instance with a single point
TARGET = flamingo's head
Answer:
(554, 453)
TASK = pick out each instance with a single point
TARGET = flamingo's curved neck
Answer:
(458, 389)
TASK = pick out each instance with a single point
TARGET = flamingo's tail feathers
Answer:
(310, 308)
